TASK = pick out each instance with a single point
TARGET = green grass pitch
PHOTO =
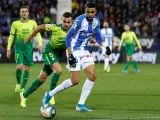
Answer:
(115, 96)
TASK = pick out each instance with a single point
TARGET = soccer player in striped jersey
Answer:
(79, 57)
(129, 38)
(20, 29)
(108, 37)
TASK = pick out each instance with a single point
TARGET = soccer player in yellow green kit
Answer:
(51, 54)
(129, 38)
(23, 53)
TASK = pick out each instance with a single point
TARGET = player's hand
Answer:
(92, 40)
(108, 50)
(40, 49)
(72, 60)
(8, 54)
(26, 40)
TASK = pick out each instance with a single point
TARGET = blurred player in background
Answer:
(23, 53)
(79, 57)
(108, 37)
(51, 54)
(129, 38)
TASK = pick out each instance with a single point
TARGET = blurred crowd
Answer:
(42, 11)
(142, 15)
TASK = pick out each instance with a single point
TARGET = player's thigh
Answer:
(42, 76)
(50, 57)
(46, 68)
(87, 64)
(18, 58)
(57, 67)
(129, 50)
(75, 77)
(90, 72)
(28, 58)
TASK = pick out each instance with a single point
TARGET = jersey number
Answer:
(17, 55)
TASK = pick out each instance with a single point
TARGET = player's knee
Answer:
(58, 71)
(75, 82)
(20, 67)
(26, 68)
(92, 76)
(42, 77)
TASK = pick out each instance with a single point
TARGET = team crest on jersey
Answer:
(74, 25)
(94, 24)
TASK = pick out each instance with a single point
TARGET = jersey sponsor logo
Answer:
(25, 31)
(145, 57)
(148, 43)
(85, 34)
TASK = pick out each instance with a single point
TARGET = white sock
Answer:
(85, 91)
(66, 84)
(106, 62)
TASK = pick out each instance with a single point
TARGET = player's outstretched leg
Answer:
(48, 95)
(53, 83)
(23, 95)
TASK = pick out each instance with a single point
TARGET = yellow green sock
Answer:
(18, 76)
(25, 79)
(134, 65)
(127, 65)
(35, 84)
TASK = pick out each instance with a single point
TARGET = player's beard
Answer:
(89, 18)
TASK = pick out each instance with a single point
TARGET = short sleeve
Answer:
(50, 27)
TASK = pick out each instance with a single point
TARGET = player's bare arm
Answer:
(34, 32)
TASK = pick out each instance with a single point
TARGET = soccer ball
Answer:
(48, 111)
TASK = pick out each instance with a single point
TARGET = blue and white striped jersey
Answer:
(107, 35)
(80, 32)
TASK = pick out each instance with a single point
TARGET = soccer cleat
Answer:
(52, 101)
(17, 88)
(22, 90)
(108, 69)
(23, 100)
(82, 107)
(137, 70)
(105, 69)
(46, 98)
(124, 71)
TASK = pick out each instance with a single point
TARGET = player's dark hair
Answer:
(67, 14)
(25, 7)
(91, 5)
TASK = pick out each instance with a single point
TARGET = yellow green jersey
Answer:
(129, 38)
(57, 39)
(19, 31)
